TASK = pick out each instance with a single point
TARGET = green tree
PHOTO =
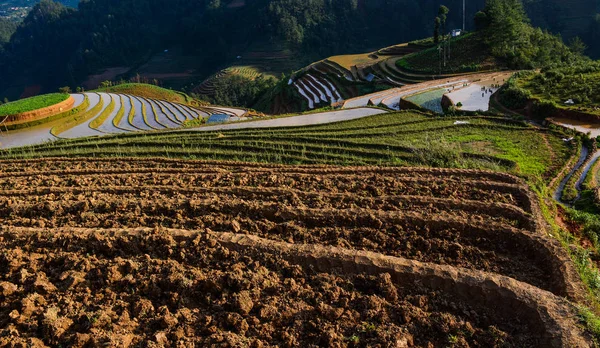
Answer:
(105, 84)
(577, 45)
(481, 21)
(65, 89)
(443, 16)
(512, 39)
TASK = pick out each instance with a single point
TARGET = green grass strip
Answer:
(131, 115)
(77, 119)
(168, 114)
(99, 121)
(119, 117)
(591, 179)
(31, 104)
(155, 113)
(144, 113)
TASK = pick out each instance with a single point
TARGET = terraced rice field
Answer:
(112, 113)
(207, 87)
(404, 138)
(352, 80)
(476, 96)
(128, 251)
(316, 90)
(430, 100)
(391, 98)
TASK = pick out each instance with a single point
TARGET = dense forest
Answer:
(29, 3)
(7, 28)
(511, 38)
(57, 45)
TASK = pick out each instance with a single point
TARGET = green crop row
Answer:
(98, 121)
(119, 117)
(404, 138)
(77, 119)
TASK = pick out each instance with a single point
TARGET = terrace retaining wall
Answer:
(42, 113)
(552, 318)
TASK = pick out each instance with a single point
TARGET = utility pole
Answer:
(464, 15)
(449, 44)
(440, 49)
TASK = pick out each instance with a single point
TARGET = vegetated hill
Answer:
(570, 18)
(466, 53)
(15, 10)
(127, 34)
(7, 4)
(504, 39)
(105, 33)
(566, 91)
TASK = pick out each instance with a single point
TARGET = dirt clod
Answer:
(243, 303)
(7, 289)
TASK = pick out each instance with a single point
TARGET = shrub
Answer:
(543, 109)
(513, 96)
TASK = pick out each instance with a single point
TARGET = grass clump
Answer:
(31, 104)
(591, 322)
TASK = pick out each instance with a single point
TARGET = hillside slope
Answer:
(132, 34)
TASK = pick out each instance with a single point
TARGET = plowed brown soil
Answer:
(153, 289)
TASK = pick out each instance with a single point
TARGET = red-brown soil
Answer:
(59, 286)
(154, 289)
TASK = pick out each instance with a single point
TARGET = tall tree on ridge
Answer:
(436, 30)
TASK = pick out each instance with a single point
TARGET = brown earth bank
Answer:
(178, 284)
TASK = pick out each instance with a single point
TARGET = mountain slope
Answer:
(210, 34)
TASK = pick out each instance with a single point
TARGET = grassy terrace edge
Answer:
(32, 104)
